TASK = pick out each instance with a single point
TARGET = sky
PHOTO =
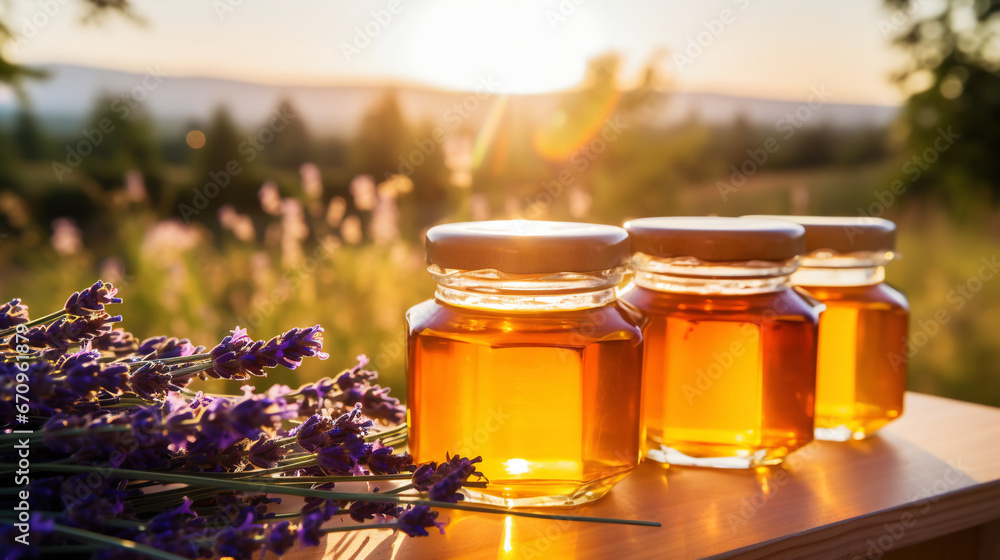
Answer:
(777, 49)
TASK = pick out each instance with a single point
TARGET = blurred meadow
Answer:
(285, 218)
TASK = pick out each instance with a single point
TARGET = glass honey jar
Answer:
(525, 357)
(861, 372)
(729, 371)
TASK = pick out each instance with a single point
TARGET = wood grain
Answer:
(934, 472)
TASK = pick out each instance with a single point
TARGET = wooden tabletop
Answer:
(934, 472)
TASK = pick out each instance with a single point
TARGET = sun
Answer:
(526, 46)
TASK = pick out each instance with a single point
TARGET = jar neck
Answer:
(692, 276)
(500, 291)
(825, 268)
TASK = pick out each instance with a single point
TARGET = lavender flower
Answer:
(151, 381)
(265, 453)
(239, 542)
(428, 474)
(63, 332)
(238, 357)
(281, 538)
(92, 299)
(355, 387)
(119, 342)
(312, 434)
(415, 521)
(12, 314)
(84, 374)
(163, 347)
(311, 529)
(382, 460)
(364, 511)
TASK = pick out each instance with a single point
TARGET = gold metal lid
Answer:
(716, 239)
(527, 247)
(843, 234)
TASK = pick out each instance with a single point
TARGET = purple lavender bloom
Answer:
(92, 299)
(239, 542)
(356, 386)
(364, 511)
(254, 413)
(312, 397)
(151, 381)
(225, 364)
(119, 342)
(311, 434)
(349, 426)
(41, 528)
(382, 460)
(84, 374)
(12, 314)
(162, 347)
(281, 538)
(446, 489)
(265, 453)
(379, 405)
(338, 460)
(311, 529)
(427, 474)
(415, 521)
(238, 357)
(66, 331)
(328, 508)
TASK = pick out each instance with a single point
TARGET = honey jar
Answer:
(861, 375)
(729, 371)
(525, 357)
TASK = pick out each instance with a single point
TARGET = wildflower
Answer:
(428, 474)
(163, 347)
(265, 453)
(311, 529)
(84, 374)
(311, 434)
(119, 342)
(92, 299)
(63, 332)
(13, 313)
(281, 538)
(364, 511)
(151, 381)
(238, 542)
(382, 460)
(415, 521)
(224, 356)
(446, 489)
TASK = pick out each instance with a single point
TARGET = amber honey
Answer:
(861, 373)
(549, 402)
(729, 367)
(525, 358)
(737, 375)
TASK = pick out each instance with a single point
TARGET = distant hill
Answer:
(64, 99)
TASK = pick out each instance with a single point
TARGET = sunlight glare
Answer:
(512, 42)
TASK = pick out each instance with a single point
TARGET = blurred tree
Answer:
(292, 145)
(8, 179)
(226, 167)
(381, 144)
(428, 202)
(28, 136)
(119, 138)
(954, 67)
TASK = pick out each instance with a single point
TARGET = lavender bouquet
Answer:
(112, 455)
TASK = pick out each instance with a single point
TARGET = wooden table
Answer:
(932, 477)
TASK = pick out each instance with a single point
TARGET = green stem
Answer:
(175, 360)
(323, 494)
(34, 323)
(401, 489)
(347, 528)
(97, 538)
(387, 433)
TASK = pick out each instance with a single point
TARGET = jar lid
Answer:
(716, 239)
(527, 247)
(843, 234)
